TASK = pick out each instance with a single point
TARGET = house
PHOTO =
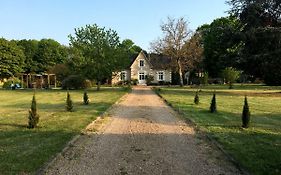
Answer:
(142, 66)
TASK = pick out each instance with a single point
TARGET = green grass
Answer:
(258, 148)
(23, 150)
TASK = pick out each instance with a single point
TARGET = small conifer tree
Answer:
(213, 106)
(69, 103)
(33, 117)
(196, 98)
(246, 114)
(86, 98)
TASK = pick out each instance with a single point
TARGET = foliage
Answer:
(62, 71)
(99, 52)
(205, 78)
(69, 103)
(213, 106)
(75, 82)
(11, 58)
(176, 35)
(10, 81)
(246, 114)
(196, 98)
(86, 98)
(135, 81)
(230, 75)
(149, 79)
(49, 53)
(222, 43)
(30, 49)
(33, 117)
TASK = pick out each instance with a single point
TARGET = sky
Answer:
(138, 20)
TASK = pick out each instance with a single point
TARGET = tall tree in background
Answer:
(222, 43)
(30, 48)
(98, 50)
(176, 34)
(11, 58)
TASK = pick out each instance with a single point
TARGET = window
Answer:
(160, 76)
(141, 63)
(123, 76)
(141, 76)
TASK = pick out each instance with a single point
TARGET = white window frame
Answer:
(141, 73)
(141, 60)
(123, 78)
(161, 73)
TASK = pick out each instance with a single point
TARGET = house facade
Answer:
(142, 66)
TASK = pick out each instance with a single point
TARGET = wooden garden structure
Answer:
(39, 80)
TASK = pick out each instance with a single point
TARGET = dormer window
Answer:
(141, 63)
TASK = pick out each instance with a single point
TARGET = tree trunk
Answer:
(180, 72)
(98, 87)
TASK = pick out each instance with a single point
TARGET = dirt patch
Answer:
(143, 136)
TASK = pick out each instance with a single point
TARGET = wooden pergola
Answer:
(39, 80)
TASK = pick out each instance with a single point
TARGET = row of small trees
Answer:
(213, 109)
(33, 118)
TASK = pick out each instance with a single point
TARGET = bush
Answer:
(135, 81)
(246, 114)
(76, 82)
(149, 79)
(205, 78)
(10, 81)
(213, 106)
(196, 98)
(33, 117)
(86, 98)
(230, 75)
(69, 103)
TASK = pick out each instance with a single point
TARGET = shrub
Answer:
(230, 75)
(135, 81)
(10, 81)
(86, 98)
(76, 82)
(246, 114)
(196, 98)
(205, 78)
(33, 117)
(149, 79)
(69, 103)
(213, 106)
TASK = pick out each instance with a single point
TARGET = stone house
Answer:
(154, 65)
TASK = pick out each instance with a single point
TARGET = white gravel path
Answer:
(143, 136)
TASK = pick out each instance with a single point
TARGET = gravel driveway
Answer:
(143, 136)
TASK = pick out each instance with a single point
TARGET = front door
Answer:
(141, 78)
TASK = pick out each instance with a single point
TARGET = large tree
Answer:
(11, 58)
(98, 51)
(176, 34)
(30, 48)
(222, 43)
(49, 53)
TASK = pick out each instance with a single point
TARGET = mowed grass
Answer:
(258, 149)
(25, 150)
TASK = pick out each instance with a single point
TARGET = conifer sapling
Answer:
(213, 107)
(196, 98)
(69, 103)
(86, 98)
(33, 117)
(246, 114)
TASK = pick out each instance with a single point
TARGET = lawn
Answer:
(23, 150)
(258, 149)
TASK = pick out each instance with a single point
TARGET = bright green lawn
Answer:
(23, 150)
(258, 148)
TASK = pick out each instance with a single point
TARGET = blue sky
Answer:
(138, 20)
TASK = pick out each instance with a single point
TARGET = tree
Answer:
(11, 58)
(196, 98)
(230, 75)
(30, 49)
(86, 98)
(176, 34)
(49, 53)
(246, 114)
(213, 106)
(99, 52)
(33, 117)
(222, 43)
(69, 103)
